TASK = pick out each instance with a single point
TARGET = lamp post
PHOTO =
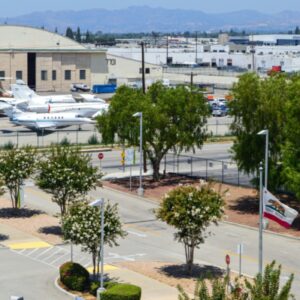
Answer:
(266, 133)
(100, 203)
(260, 243)
(140, 189)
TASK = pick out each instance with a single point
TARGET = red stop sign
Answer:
(100, 155)
(227, 259)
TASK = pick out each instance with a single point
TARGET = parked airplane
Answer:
(49, 121)
(21, 91)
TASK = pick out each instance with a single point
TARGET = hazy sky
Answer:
(18, 7)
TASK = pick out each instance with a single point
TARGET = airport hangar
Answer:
(47, 61)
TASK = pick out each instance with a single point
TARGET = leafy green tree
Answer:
(69, 33)
(191, 210)
(259, 104)
(78, 35)
(291, 148)
(16, 165)
(172, 119)
(82, 226)
(266, 287)
(68, 175)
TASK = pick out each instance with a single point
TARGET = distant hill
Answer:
(146, 19)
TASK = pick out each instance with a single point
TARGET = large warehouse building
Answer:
(47, 61)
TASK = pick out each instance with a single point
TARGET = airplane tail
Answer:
(22, 91)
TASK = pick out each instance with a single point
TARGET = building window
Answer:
(67, 74)
(229, 62)
(19, 75)
(44, 75)
(2, 74)
(53, 75)
(82, 75)
(147, 70)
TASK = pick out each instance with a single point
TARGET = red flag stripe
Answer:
(277, 220)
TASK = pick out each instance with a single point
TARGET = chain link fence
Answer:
(223, 171)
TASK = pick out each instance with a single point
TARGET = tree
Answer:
(266, 287)
(68, 175)
(191, 210)
(78, 35)
(16, 165)
(172, 119)
(82, 226)
(259, 104)
(291, 147)
(297, 30)
(69, 33)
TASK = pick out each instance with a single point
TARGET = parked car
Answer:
(76, 87)
(220, 111)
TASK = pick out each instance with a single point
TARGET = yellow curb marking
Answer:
(29, 245)
(106, 268)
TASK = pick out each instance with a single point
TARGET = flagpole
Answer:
(260, 258)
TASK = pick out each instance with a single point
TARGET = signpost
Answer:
(100, 156)
(227, 260)
(240, 251)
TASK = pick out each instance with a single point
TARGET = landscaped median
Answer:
(75, 279)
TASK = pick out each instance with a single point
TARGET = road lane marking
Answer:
(137, 234)
(29, 245)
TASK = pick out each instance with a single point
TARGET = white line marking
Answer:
(142, 235)
(41, 254)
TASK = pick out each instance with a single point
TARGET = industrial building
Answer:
(47, 61)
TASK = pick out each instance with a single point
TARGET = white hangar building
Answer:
(47, 61)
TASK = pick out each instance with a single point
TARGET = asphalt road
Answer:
(152, 240)
(23, 136)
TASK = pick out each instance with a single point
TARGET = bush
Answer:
(74, 276)
(65, 142)
(122, 291)
(93, 140)
(96, 284)
(8, 146)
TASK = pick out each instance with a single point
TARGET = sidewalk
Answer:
(15, 239)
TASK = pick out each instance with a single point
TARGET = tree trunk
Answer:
(189, 255)
(145, 161)
(94, 258)
(156, 167)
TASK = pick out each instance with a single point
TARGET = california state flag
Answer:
(277, 211)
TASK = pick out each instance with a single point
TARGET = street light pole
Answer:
(260, 258)
(100, 203)
(266, 133)
(140, 189)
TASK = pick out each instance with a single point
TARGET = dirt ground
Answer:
(31, 221)
(242, 204)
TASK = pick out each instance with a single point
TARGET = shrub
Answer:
(93, 140)
(96, 284)
(122, 291)
(65, 142)
(74, 276)
(8, 146)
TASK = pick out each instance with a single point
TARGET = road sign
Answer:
(129, 156)
(100, 155)
(227, 259)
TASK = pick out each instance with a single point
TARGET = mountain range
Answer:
(146, 19)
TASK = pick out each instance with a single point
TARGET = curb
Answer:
(225, 222)
(266, 231)
(61, 289)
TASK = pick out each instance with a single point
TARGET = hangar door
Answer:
(31, 70)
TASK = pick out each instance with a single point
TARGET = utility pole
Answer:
(192, 79)
(143, 67)
(196, 57)
(167, 58)
(252, 53)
